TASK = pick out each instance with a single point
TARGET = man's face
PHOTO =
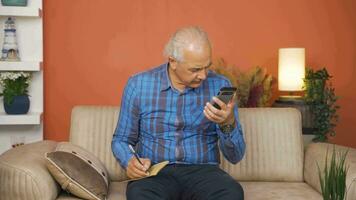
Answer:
(193, 70)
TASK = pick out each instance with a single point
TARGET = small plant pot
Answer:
(20, 105)
(14, 2)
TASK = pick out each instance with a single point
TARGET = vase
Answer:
(20, 105)
(14, 2)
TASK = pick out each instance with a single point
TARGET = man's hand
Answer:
(136, 170)
(223, 116)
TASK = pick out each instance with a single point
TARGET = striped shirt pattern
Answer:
(165, 124)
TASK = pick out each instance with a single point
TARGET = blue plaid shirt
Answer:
(165, 124)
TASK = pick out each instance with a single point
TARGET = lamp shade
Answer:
(291, 69)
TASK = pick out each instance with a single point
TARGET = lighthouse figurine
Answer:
(10, 51)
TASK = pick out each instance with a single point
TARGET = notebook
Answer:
(153, 170)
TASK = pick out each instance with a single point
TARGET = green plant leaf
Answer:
(253, 85)
(333, 177)
(322, 101)
(14, 85)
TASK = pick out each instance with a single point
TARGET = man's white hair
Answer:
(192, 38)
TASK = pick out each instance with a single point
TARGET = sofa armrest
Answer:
(24, 175)
(315, 153)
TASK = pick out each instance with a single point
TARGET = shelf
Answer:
(30, 119)
(21, 66)
(29, 37)
(18, 11)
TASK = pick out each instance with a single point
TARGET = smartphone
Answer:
(225, 95)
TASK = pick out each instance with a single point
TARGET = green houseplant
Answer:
(333, 177)
(14, 87)
(321, 100)
(254, 87)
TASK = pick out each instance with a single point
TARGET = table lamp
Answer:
(291, 71)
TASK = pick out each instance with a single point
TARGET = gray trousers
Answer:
(186, 182)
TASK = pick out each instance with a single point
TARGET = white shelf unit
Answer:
(20, 11)
(29, 32)
(28, 119)
(21, 66)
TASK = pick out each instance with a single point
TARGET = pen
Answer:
(135, 154)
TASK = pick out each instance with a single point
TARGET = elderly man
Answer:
(167, 114)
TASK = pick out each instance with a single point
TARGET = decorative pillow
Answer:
(78, 171)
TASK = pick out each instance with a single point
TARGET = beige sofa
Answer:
(275, 165)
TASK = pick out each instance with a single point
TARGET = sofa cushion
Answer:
(279, 191)
(23, 173)
(273, 138)
(252, 191)
(274, 146)
(78, 171)
(117, 190)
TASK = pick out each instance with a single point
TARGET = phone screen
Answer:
(225, 95)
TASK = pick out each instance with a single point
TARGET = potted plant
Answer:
(254, 87)
(14, 87)
(321, 100)
(333, 177)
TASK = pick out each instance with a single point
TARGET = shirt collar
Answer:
(166, 83)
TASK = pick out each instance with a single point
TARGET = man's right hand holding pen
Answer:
(137, 167)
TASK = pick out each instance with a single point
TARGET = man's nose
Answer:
(203, 74)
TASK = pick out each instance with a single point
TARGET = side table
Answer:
(298, 103)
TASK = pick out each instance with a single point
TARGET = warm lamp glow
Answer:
(291, 69)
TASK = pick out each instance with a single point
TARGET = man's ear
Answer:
(172, 63)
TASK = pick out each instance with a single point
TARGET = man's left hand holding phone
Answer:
(224, 115)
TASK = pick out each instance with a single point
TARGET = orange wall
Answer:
(92, 47)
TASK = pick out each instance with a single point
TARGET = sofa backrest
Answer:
(92, 128)
(274, 147)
